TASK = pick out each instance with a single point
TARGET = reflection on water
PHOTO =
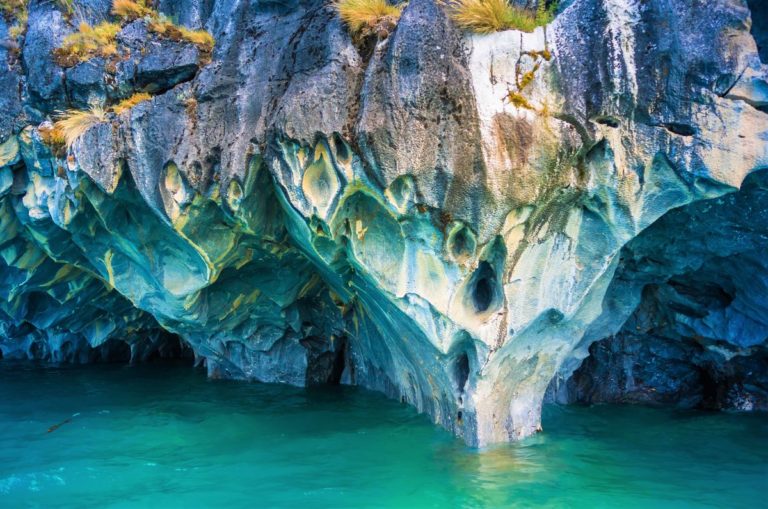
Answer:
(164, 436)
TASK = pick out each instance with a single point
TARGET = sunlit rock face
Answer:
(439, 216)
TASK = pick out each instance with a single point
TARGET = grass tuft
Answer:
(131, 9)
(86, 43)
(101, 40)
(74, 123)
(20, 27)
(488, 16)
(200, 38)
(364, 16)
(127, 104)
(52, 136)
(166, 28)
(15, 11)
(10, 8)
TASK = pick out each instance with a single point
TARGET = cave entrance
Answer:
(698, 335)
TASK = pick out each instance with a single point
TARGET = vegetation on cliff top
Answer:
(88, 42)
(15, 11)
(10, 8)
(53, 137)
(74, 123)
(100, 40)
(161, 25)
(368, 17)
(168, 29)
(488, 16)
(130, 10)
(127, 104)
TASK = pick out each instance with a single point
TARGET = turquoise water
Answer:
(164, 436)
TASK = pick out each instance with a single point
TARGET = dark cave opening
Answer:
(113, 350)
(326, 360)
(679, 129)
(169, 347)
(461, 371)
(338, 366)
(150, 346)
(698, 335)
(484, 293)
(653, 370)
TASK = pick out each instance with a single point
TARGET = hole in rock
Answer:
(608, 120)
(325, 360)
(339, 363)
(37, 350)
(483, 294)
(461, 371)
(711, 391)
(66, 352)
(680, 129)
(342, 151)
(484, 289)
(169, 346)
(112, 350)
(461, 243)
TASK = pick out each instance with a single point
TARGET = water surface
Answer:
(165, 436)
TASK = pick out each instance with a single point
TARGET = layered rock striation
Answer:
(448, 218)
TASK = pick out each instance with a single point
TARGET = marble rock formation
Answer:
(452, 219)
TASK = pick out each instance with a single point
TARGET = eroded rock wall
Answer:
(697, 335)
(435, 215)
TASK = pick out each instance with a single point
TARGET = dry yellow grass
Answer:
(127, 104)
(488, 16)
(74, 123)
(165, 28)
(11, 8)
(200, 38)
(131, 9)
(364, 15)
(52, 136)
(86, 43)
(20, 27)
(15, 11)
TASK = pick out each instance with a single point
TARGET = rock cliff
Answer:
(452, 219)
